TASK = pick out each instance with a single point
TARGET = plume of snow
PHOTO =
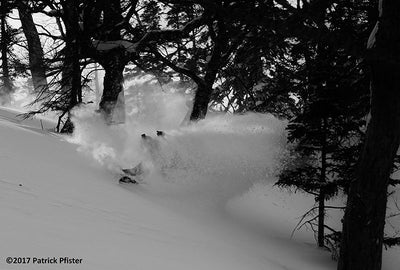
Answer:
(223, 154)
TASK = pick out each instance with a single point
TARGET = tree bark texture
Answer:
(35, 50)
(112, 102)
(6, 88)
(321, 197)
(71, 72)
(200, 102)
(363, 227)
(321, 218)
(205, 89)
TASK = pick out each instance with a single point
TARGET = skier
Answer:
(151, 147)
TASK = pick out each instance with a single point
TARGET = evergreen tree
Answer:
(212, 56)
(330, 82)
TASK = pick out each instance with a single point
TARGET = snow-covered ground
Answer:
(207, 201)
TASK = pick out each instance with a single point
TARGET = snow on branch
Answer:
(109, 45)
(372, 36)
(286, 4)
(171, 34)
(151, 36)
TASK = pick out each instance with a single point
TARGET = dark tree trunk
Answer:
(97, 83)
(7, 84)
(71, 73)
(205, 90)
(36, 63)
(321, 197)
(112, 102)
(364, 220)
(321, 218)
(200, 103)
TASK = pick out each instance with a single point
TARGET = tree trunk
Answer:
(71, 73)
(321, 197)
(71, 82)
(204, 90)
(7, 84)
(112, 101)
(200, 103)
(97, 83)
(321, 218)
(36, 63)
(364, 220)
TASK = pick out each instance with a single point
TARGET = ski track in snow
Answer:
(195, 213)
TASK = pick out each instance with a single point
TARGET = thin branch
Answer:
(184, 71)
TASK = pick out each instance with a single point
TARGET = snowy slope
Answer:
(59, 199)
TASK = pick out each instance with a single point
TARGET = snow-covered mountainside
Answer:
(207, 201)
